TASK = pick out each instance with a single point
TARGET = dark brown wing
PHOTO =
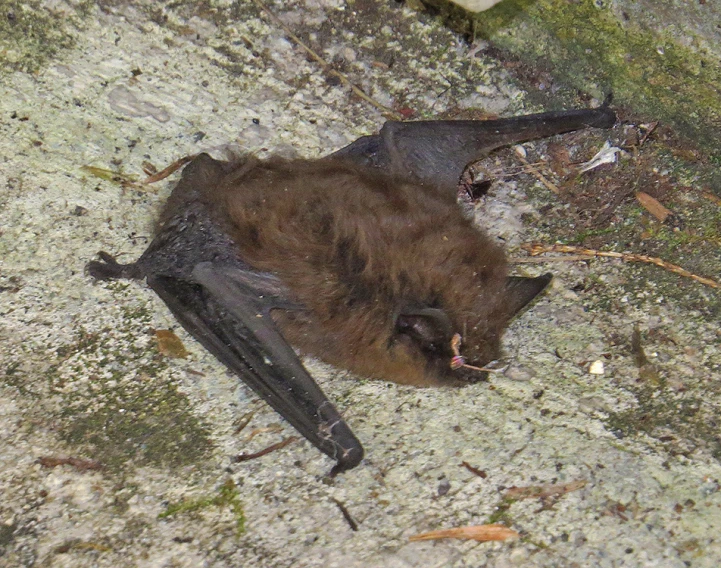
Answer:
(225, 304)
(437, 151)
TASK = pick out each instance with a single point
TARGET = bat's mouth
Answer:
(467, 372)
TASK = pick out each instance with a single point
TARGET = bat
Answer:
(362, 258)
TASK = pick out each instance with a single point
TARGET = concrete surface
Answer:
(93, 92)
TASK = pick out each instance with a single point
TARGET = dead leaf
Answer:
(481, 533)
(165, 172)
(560, 159)
(169, 344)
(653, 206)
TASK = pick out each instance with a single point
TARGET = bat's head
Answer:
(454, 349)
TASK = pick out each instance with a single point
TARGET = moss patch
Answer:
(583, 45)
(591, 49)
(682, 423)
(143, 422)
(118, 406)
(31, 33)
(226, 496)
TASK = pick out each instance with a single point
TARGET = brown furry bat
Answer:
(362, 259)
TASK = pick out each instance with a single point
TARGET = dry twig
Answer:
(165, 172)
(346, 514)
(388, 112)
(536, 248)
(474, 470)
(273, 447)
(481, 533)
(543, 179)
(78, 463)
(271, 428)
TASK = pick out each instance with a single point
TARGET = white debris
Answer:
(476, 5)
(606, 155)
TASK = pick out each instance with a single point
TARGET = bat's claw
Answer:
(110, 269)
(347, 457)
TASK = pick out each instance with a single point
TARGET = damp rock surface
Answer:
(115, 455)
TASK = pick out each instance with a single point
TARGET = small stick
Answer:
(245, 420)
(551, 186)
(536, 248)
(389, 112)
(474, 470)
(254, 433)
(273, 447)
(78, 463)
(346, 514)
(538, 260)
(482, 533)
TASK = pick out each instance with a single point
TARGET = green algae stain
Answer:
(117, 404)
(687, 423)
(591, 49)
(31, 33)
(226, 496)
(143, 423)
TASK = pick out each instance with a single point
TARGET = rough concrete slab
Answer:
(89, 94)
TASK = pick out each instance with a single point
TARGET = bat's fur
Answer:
(367, 255)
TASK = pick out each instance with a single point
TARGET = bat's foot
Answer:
(348, 460)
(110, 269)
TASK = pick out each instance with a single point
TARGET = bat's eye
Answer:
(427, 328)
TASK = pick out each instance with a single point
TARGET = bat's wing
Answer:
(436, 152)
(227, 309)
(225, 304)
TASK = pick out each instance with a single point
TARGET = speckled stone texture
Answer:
(113, 455)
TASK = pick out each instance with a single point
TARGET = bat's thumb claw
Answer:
(109, 269)
(350, 458)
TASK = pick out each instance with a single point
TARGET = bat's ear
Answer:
(202, 168)
(521, 291)
(199, 176)
(428, 328)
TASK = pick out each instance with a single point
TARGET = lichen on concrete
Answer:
(599, 47)
(33, 32)
(152, 481)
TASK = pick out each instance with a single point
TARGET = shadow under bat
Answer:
(362, 258)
